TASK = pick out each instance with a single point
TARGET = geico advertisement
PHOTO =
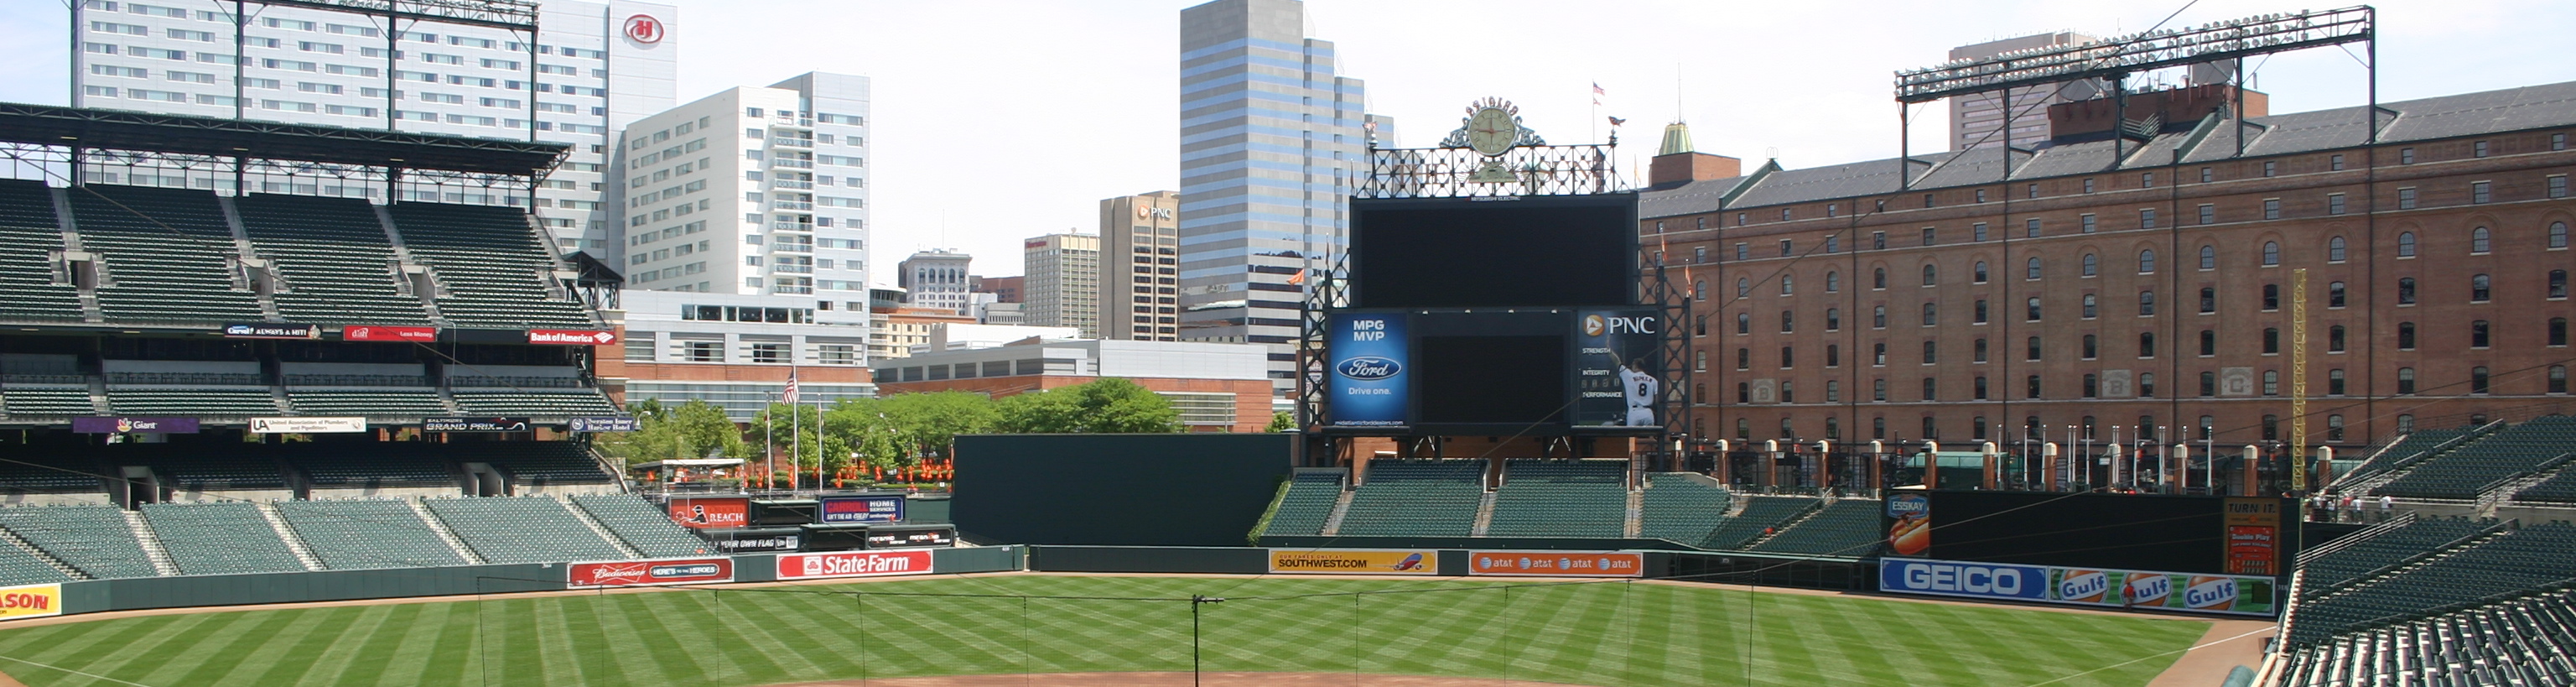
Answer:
(807, 566)
(1354, 561)
(31, 601)
(2231, 594)
(1557, 563)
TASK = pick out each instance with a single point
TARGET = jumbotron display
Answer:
(1517, 371)
(1494, 252)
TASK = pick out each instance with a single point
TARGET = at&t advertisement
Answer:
(1618, 368)
(1369, 354)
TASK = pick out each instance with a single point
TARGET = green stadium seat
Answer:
(168, 254)
(219, 538)
(29, 238)
(1416, 498)
(94, 539)
(1849, 527)
(366, 534)
(1308, 504)
(1561, 498)
(332, 252)
(522, 529)
(1681, 509)
(491, 266)
(647, 528)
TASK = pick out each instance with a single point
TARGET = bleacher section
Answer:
(1681, 509)
(222, 472)
(1560, 498)
(2389, 547)
(522, 530)
(372, 403)
(40, 472)
(2420, 441)
(541, 462)
(219, 538)
(643, 526)
(534, 402)
(30, 240)
(2525, 641)
(1308, 503)
(17, 567)
(490, 264)
(230, 466)
(45, 400)
(2534, 557)
(1849, 527)
(374, 466)
(358, 535)
(192, 402)
(1760, 513)
(1416, 498)
(2463, 472)
(332, 252)
(94, 539)
(168, 253)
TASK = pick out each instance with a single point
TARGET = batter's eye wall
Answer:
(2184, 534)
(1116, 489)
(1473, 253)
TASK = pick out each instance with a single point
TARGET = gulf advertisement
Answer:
(861, 509)
(2218, 594)
(31, 601)
(1557, 563)
(645, 573)
(1618, 368)
(1369, 352)
(711, 513)
(1355, 561)
(815, 566)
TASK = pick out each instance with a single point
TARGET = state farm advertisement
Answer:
(1557, 563)
(640, 573)
(812, 566)
(711, 513)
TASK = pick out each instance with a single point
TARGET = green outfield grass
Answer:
(1609, 634)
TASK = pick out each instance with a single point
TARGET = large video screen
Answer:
(1492, 379)
(1487, 252)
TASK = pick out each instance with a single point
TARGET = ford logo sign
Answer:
(1369, 367)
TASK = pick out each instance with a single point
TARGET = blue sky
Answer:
(999, 120)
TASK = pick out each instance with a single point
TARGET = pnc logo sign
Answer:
(1597, 325)
(643, 28)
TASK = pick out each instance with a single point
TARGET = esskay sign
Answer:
(307, 425)
(640, 573)
(572, 337)
(808, 566)
(2228, 594)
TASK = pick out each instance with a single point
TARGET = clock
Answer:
(1491, 131)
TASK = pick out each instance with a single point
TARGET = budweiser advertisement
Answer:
(368, 332)
(808, 566)
(572, 337)
(640, 573)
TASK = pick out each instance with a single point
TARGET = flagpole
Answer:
(795, 429)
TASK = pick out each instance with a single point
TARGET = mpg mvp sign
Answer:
(1369, 354)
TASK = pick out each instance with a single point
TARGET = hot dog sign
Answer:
(1909, 529)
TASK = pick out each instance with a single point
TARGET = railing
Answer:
(791, 184)
(790, 205)
(791, 226)
(794, 289)
(792, 269)
(791, 247)
(792, 142)
(791, 162)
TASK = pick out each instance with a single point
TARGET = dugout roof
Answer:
(161, 133)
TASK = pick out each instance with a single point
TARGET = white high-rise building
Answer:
(936, 279)
(1062, 282)
(592, 68)
(758, 191)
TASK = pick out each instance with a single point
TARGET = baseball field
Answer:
(1606, 634)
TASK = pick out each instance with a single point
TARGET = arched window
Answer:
(2092, 386)
(2334, 428)
(1878, 278)
(2480, 240)
(1833, 282)
(2271, 382)
(2334, 382)
(2031, 271)
(2478, 334)
(2558, 234)
(1743, 358)
(1699, 393)
(1981, 312)
(2271, 297)
(1878, 390)
(2208, 384)
(1833, 394)
(2147, 261)
(2033, 306)
(2092, 347)
(1931, 275)
(1788, 322)
(2406, 244)
(2091, 306)
(1744, 429)
(2208, 300)
(2478, 380)
(2030, 387)
(1833, 319)
(2271, 253)
(2209, 257)
(2335, 339)
(1701, 326)
(1981, 272)
(1878, 317)
(1786, 429)
(1980, 350)
(1977, 428)
(1788, 284)
(2335, 249)
(1788, 359)
(2406, 380)
(1744, 323)
(2147, 302)
(1699, 291)
(1744, 392)
(1833, 358)
(1834, 428)
(2334, 295)
(2480, 288)
(2405, 290)
(2092, 264)
(1931, 314)
(1930, 431)
(1743, 287)
(2406, 336)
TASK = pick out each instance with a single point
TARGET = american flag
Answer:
(790, 395)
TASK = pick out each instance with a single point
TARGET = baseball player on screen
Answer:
(1639, 388)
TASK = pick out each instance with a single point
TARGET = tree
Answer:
(1106, 405)
(1281, 421)
(693, 430)
(926, 424)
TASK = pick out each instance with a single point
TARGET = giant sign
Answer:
(134, 425)
(1618, 368)
(1355, 561)
(1557, 563)
(837, 510)
(1369, 352)
(711, 513)
(809, 566)
(2222, 594)
(642, 573)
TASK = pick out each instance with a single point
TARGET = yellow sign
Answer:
(31, 601)
(2253, 512)
(1355, 561)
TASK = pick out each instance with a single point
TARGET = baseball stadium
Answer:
(290, 404)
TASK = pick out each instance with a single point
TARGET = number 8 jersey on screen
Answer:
(1369, 354)
(1618, 368)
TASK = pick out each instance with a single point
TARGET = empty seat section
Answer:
(199, 402)
(202, 472)
(46, 400)
(350, 466)
(1561, 498)
(1308, 503)
(384, 403)
(337, 264)
(219, 538)
(534, 402)
(359, 535)
(543, 462)
(1850, 527)
(2532, 558)
(2412, 445)
(30, 238)
(1760, 513)
(643, 526)
(94, 539)
(2389, 547)
(522, 530)
(1680, 508)
(490, 264)
(169, 255)
(33, 470)
(2464, 472)
(1416, 498)
(17, 566)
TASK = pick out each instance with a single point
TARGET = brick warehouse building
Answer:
(2153, 292)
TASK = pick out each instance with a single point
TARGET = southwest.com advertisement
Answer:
(1618, 368)
(2228, 594)
(1355, 561)
(1369, 356)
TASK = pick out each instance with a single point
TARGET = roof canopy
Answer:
(144, 131)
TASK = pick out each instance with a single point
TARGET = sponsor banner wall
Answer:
(572, 337)
(134, 425)
(1369, 354)
(31, 601)
(807, 566)
(474, 424)
(1557, 563)
(711, 513)
(307, 425)
(837, 510)
(637, 573)
(602, 424)
(1355, 561)
(2228, 594)
(357, 332)
(271, 330)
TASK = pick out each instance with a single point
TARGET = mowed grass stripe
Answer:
(1615, 634)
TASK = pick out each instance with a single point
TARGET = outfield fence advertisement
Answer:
(1355, 561)
(2228, 594)
(711, 513)
(1557, 563)
(643, 573)
(31, 601)
(812, 566)
(861, 509)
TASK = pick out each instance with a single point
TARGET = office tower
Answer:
(1063, 282)
(1975, 120)
(751, 191)
(935, 279)
(1140, 249)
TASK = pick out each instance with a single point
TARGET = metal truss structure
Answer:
(1532, 170)
(2121, 56)
(504, 14)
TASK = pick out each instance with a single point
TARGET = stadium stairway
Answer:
(22, 563)
(1341, 510)
(584, 517)
(294, 544)
(153, 549)
(1307, 505)
(1484, 515)
(444, 533)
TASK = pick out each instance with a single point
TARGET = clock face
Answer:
(1491, 131)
